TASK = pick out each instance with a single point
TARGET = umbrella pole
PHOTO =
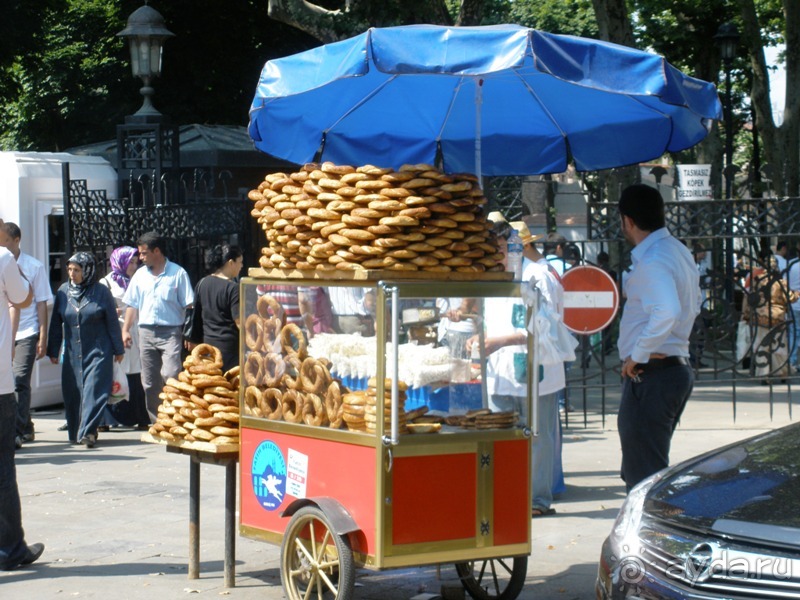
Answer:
(478, 108)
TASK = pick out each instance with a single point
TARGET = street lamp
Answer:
(727, 40)
(146, 33)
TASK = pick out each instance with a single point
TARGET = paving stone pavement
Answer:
(114, 519)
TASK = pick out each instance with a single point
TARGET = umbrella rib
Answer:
(360, 103)
(456, 90)
(533, 93)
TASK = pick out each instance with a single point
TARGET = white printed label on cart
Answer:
(296, 474)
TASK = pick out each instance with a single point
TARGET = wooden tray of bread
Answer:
(196, 446)
(378, 275)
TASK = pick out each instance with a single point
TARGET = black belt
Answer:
(656, 364)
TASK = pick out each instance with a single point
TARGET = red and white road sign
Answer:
(591, 299)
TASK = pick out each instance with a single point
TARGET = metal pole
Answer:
(728, 182)
(194, 518)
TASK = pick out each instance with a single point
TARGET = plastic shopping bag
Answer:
(119, 385)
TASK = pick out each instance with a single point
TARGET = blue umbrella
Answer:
(497, 100)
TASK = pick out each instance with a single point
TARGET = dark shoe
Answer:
(17, 443)
(542, 512)
(90, 440)
(33, 554)
(63, 427)
(103, 428)
(28, 437)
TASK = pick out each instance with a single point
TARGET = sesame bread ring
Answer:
(307, 203)
(356, 221)
(312, 376)
(347, 255)
(330, 184)
(268, 307)
(224, 430)
(351, 178)
(209, 422)
(254, 369)
(438, 241)
(463, 217)
(207, 381)
(219, 390)
(204, 368)
(333, 405)
(418, 182)
(349, 192)
(399, 221)
(386, 205)
(314, 411)
(199, 401)
(182, 386)
(402, 253)
(403, 266)
(396, 192)
(425, 261)
(398, 177)
(293, 342)
(252, 398)
(349, 266)
(323, 214)
(271, 404)
(379, 263)
(207, 352)
(369, 213)
(329, 197)
(372, 184)
(390, 242)
(411, 236)
(357, 234)
(446, 223)
(340, 205)
(329, 230)
(292, 406)
(420, 200)
(329, 167)
(224, 440)
(372, 382)
(418, 212)
(461, 186)
(291, 376)
(441, 254)
(367, 250)
(341, 240)
(373, 170)
(383, 229)
(272, 370)
(421, 247)
(270, 338)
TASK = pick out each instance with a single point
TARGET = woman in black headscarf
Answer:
(85, 318)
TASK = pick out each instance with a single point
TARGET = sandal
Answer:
(542, 512)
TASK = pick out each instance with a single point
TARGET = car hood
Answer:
(748, 490)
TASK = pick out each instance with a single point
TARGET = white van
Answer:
(32, 197)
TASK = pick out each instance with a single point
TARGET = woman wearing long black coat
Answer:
(85, 318)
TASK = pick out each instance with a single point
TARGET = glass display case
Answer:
(319, 353)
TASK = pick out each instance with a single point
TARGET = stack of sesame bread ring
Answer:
(337, 217)
(202, 403)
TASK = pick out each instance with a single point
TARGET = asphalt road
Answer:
(115, 518)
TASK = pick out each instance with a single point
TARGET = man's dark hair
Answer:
(152, 240)
(12, 230)
(644, 205)
(780, 245)
(553, 241)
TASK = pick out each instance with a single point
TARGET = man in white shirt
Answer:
(14, 551)
(30, 340)
(157, 296)
(663, 300)
(793, 281)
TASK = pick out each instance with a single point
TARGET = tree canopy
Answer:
(65, 78)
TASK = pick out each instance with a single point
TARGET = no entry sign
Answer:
(591, 299)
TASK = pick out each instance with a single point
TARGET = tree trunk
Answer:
(613, 22)
(471, 13)
(781, 143)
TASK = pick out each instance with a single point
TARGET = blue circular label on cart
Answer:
(269, 475)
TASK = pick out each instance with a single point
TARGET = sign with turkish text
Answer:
(694, 182)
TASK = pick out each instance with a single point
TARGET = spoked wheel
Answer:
(494, 579)
(315, 560)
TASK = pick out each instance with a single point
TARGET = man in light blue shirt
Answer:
(158, 296)
(663, 300)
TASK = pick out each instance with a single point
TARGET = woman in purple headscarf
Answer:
(124, 261)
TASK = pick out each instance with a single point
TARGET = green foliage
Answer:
(574, 17)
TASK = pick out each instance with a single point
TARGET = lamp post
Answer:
(146, 33)
(727, 40)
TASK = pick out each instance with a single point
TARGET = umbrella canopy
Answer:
(497, 100)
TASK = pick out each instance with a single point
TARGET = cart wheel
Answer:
(314, 559)
(494, 579)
